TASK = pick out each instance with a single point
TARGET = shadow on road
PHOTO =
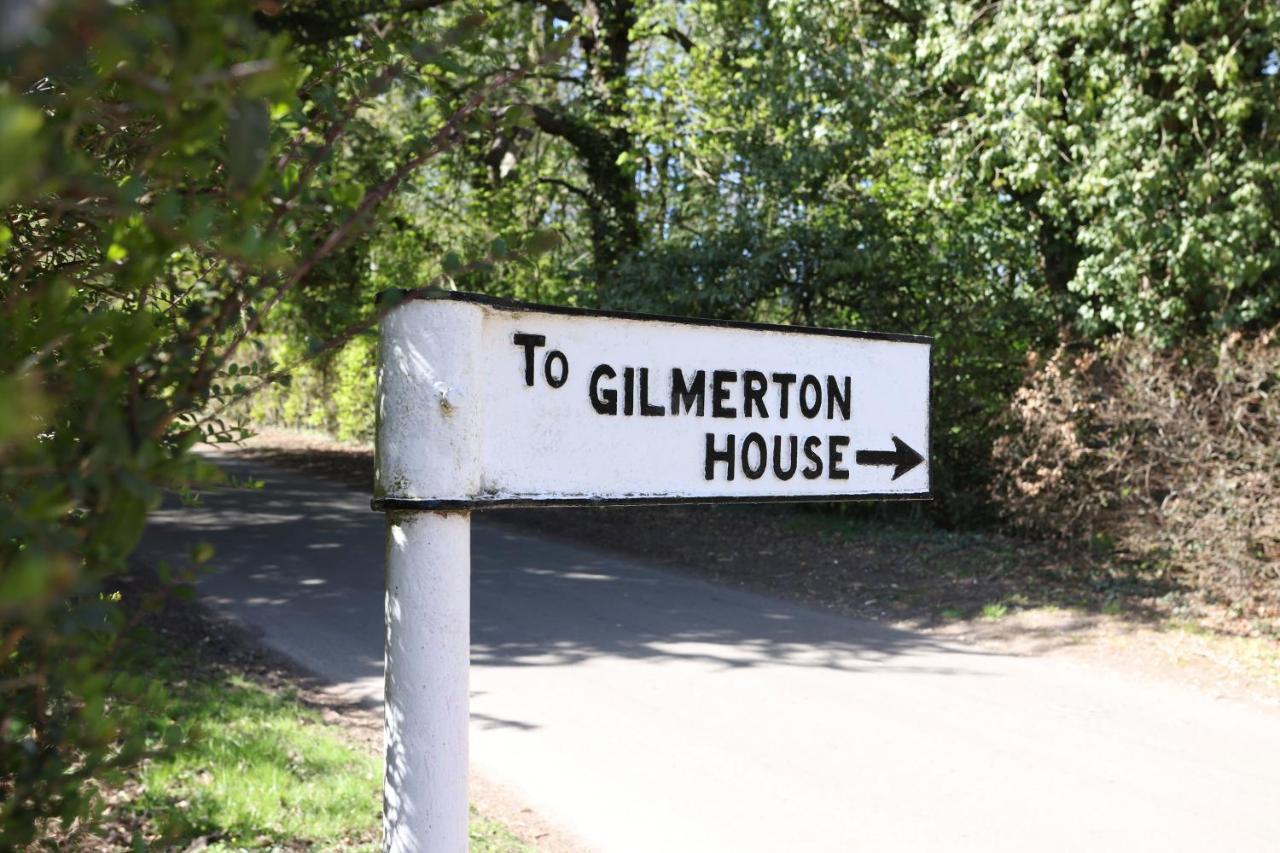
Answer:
(301, 562)
(542, 604)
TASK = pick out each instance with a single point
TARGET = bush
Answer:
(132, 144)
(1169, 456)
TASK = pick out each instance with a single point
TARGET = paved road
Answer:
(643, 710)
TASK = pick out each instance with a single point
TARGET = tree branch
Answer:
(679, 38)
(584, 138)
(586, 194)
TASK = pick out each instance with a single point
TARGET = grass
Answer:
(995, 610)
(261, 770)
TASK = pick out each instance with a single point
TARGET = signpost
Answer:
(487, 403)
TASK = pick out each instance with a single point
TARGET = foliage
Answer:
(300, 399)
(259, 769)
(172, 182)
(331, 394)
(445, 225)
(136, 146)
(1142, 139)
(1169, 457)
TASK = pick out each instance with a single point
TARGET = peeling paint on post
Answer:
(487, 403)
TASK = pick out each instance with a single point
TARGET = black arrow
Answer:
(902, 457)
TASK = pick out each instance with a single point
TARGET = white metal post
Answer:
(428, 642)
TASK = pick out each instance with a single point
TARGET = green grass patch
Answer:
(259, 769)
(995, 610)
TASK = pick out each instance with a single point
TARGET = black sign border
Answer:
(389, 299)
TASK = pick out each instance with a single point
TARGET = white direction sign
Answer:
(485, 402)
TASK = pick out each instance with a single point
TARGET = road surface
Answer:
(642, 710)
